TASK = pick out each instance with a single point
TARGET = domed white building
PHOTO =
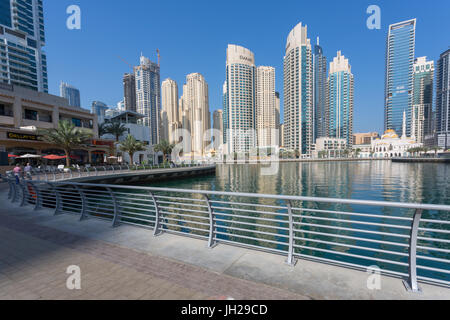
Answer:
(391, 145)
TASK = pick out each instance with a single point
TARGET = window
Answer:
(6, 110)
(30, 115)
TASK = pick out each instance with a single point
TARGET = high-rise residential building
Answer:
(319, 92)
(266, 107)
(99, 108)
(197, 118)
(170, 112)
(148, 96)
(277, 109)
(400, 52)
(340, 100)
(22, 37)
(71, 93)
(121, 106)
(218, 125)
(443, 100)
(282, 135)
(298, 87)
(129, 91)
(239, 100)
(422, 110)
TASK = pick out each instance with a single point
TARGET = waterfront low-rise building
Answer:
(130, 120)
(330, 147)
(24, 111)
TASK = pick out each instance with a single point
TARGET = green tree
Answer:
(102, 129)
(116, 129)
(165, 147)
(67, 137)
(131, 146)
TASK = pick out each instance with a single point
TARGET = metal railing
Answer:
(53, 174)
(406, 240)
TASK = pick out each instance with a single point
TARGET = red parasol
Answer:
(12, 156)
(54, 157)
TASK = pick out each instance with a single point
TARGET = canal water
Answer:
(365, 180)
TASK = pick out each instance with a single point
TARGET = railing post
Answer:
(116, 218)
(211, 240)
(113, 169)
(96, 172)
(83, 203)
(57, 199)
(291, 261)
(23, 186)
(411, 284)
(38, 199)
(157, 231)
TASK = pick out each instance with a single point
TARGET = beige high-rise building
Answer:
(265, 106)
(196, 117)
(170, 112)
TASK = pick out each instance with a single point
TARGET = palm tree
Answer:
(66, 136)
(435, 149)
(130, 145)
(116, 129)
(102, 130)
(165, 147)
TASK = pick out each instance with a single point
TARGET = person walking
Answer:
(27, 170)
(17, 171)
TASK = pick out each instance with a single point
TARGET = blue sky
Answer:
(193, 35)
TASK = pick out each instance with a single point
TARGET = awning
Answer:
(54, 157)
(30, 156)
(12, 156)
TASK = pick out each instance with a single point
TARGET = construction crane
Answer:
(132, 68)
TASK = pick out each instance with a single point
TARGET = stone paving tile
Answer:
(34, 263)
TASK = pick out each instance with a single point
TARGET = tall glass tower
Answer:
(22, 37)
(298, 97)
(399, 75)
(319, 92)
(340, 100)
(240, 100)
(443, 100)
(422, 99)
(71, 93)
(148, 96)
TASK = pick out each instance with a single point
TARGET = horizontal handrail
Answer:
(344, 231)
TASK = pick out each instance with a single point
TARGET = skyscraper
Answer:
(71, 93)
(99, 108)
(148, 96)
(422, 109)
(196, 112)
(169, 114)
(266, 107)
(298, 86)
(319, 92)
(239, 100)
(218, 125)
(129, 91)
(400, 52)
(340, 100)
(443, 100)
(22, 37)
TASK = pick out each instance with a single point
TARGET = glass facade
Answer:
(22, 36)
(298, 92)
(148, 96)
(71, 94)
(399, 75)
(340, 92)
(443, 100)
(320, 84)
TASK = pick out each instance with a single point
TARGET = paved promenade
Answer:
(129, 263)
